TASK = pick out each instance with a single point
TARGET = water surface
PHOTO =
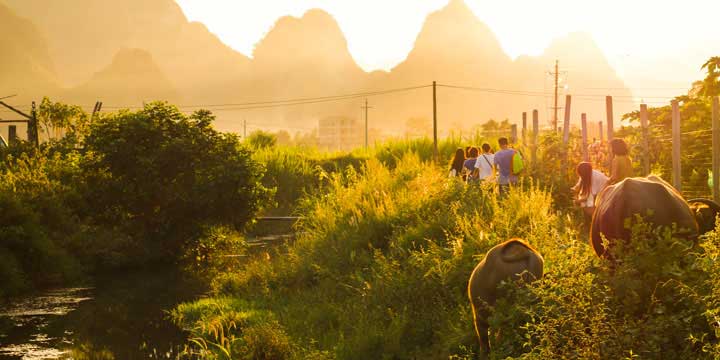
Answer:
(119, 317)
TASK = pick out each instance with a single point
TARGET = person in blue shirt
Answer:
(470, 162)
(503, 164)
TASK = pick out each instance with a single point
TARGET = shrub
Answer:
(163, 177)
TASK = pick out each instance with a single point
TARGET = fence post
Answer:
(436, 156)
(610, 125)
(535, 130)
(524, 128)
(676, 173)
(12, 134)
(513, 133)
(583, 124)
(645, 142)
(716, 148)
(566, 120)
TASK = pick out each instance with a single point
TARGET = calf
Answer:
(513, 259)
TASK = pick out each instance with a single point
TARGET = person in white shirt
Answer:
(484, 169)
(590, 184)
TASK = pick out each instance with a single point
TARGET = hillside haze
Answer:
(127, 52)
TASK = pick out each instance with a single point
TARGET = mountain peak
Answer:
(454, 35)
(315, 37)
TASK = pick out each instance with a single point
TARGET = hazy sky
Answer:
(651, 43)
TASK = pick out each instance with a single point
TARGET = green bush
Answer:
(162, 177)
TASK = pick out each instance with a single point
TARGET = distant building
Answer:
(340, 133)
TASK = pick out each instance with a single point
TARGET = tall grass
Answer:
(385, 248)
(381, 264)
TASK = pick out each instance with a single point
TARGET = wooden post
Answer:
(716, 149)
(34, 123)
(566, 121)
(645, 139)
(676, 171)
(12, 134)
(609, 110)
(583, 124)
(435, 140)
(535, 129)
(602, 131)
(513, 133)
(524, 128)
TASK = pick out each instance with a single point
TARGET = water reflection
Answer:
(122, 317)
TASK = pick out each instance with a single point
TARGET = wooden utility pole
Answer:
(716, 149)
(566, 120)
(645, 142)
(435, 139)
(610, 125)
(244, 129)
(602, 131)
(676, 170)
(366, 107)
(34, 122)
(513, 133)
(555, 107)
(583, 129)
(535, 129)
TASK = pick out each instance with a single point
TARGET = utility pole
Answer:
(244, 129)
(435, 139)
(34, 123)
(555, 107)
(366, 107)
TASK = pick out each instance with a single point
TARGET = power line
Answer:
(290, 102)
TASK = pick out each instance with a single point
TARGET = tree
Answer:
(260, 139)
(418, 127)
(164, 177)
(711, 85)
(283, 138)
(54, 116)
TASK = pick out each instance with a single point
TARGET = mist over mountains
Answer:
(133, 51)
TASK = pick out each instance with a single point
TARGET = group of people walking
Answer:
(483, 165)
(488, 166)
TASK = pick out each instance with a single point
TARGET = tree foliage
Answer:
(165, 176)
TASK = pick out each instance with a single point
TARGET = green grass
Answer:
(380, 267)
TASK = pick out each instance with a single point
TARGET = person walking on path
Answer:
(470, 163)
(456, 166)
(484, 168)
(503, 163)
(621, 164)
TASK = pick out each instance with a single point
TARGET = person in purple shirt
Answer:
(470, 162)
(503, 163)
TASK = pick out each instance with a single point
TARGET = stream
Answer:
(120, 318)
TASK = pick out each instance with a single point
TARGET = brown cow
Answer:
(651, 197)
(706, 211)
(513, 259)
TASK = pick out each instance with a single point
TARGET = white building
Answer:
(340, 133)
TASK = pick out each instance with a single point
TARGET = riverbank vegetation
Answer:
(120, 191)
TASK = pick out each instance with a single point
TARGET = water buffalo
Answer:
(705, 213)
(513, 259)
(651, 197)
